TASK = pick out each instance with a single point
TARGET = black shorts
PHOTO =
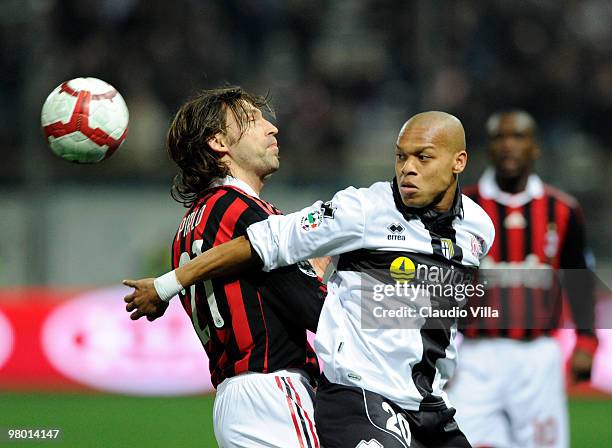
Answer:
(350, 417)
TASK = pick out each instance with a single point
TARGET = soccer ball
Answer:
(85, 120)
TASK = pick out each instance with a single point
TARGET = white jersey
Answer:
(370, 228)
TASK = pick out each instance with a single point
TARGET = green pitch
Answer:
(120, 421)
(111, 420)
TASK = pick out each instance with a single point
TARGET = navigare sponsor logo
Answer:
(404, 269)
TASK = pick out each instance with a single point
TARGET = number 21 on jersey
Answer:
(203, 333)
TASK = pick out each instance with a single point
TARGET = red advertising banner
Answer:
(62, 339)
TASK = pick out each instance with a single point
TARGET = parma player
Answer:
(382, 387)
(509, 389)
(252, 325)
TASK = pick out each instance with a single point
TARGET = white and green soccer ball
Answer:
(85, 120)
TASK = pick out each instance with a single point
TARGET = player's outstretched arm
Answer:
(151, 296)
(328, 228)
(225, 259)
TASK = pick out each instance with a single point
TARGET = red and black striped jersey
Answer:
(255, 321)
(537, 229)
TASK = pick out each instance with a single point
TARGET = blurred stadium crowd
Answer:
(343, 76)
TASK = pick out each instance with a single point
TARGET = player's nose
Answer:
(408, 167)
(272, 130)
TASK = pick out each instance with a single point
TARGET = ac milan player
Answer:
(252, 326)
(509, 388)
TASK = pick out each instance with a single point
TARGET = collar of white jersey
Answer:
(235, 182)
(488, 189)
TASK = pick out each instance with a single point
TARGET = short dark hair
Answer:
(198, 120)
(493, 121)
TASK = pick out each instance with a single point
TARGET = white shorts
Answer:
(265, 410)
(511, 393)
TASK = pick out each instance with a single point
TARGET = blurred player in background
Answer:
(383, 387)
(253, 326)
(509, 389)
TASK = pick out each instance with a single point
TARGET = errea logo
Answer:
(396, 229)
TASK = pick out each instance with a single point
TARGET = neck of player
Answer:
(514, 184)
(446, 202)
(254, 181)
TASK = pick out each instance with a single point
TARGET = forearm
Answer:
(224, 259)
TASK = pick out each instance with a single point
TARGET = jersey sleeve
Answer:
(578, 277)
(489, 236)
(324, 228)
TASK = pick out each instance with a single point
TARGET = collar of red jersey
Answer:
(237, 183)
(489, 189)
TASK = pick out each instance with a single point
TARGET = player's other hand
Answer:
(144, 301)
(581, 364)
(320, 265)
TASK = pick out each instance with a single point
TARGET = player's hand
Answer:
(320, 265)
(144, 301)
(581, 364)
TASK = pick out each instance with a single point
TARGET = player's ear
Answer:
(460, 162)
(218, 143)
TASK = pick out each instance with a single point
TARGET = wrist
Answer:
(167, 286)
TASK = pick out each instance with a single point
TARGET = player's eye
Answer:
(423, 157)
(400, 156)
